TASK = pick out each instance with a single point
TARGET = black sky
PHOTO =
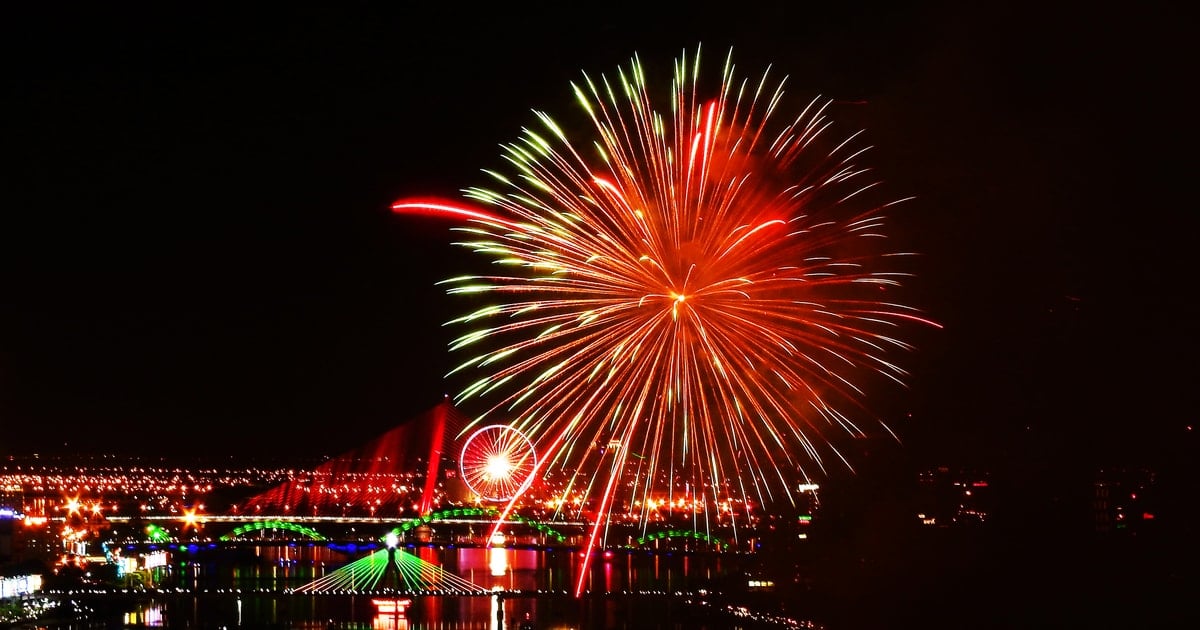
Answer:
(198, 255)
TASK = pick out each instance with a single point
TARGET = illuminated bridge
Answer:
(381, 556)
(463, 527)
(404, 483)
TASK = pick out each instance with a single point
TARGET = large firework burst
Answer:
(692, 301)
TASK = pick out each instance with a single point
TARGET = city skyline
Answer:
(202, 247)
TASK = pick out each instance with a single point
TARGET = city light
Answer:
(191, 519)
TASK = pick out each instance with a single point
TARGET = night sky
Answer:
(197, 253)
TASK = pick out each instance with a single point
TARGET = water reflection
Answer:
(280, 569)
(530, 586)
(494, 612)
(391, 613)
(149, 615)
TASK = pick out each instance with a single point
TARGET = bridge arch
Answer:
(479, 512)
(443, 514)
(682, 534)
(263, 525)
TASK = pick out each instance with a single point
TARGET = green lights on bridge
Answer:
(158, 534)
(284, 525)
(443, 515)
(489, 513)
(394, 571)
(682, 533)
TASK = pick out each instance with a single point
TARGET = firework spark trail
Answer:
(706, 290)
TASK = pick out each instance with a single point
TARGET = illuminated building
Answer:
(953, 497)
(807, 506)
(1124, 501)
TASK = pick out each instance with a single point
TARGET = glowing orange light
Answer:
(190, 518)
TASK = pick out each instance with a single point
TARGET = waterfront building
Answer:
(1124, 501)
(953, 497)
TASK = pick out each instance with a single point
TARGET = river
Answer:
(518, 588)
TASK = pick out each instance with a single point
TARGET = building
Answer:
(1124, 501)
(953, 497)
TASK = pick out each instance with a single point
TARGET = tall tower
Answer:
(391, 578)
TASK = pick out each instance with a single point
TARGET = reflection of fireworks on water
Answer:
(693, 299)
(497, 462)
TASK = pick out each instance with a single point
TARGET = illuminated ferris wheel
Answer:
(497, 462)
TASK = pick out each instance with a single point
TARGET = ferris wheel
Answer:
(497, 462)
